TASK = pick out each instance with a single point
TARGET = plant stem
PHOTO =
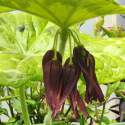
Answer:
(97, 118)
(55, 45)
(11, 108)
(77, 36)
(102, 112)
(67, 111)
(81, 120)
(75, 39)
(90, 121)
(31, 93)
(70, 47)
(63, 40)
(38, 110)
(104, 103)
(23, 105)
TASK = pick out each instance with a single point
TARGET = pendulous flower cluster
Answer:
(61, 81)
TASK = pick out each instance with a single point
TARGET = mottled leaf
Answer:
(23, 42)
(65, 13)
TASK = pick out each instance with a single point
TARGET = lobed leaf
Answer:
(24, 39)
(65, 13)
(5, 9)
(110, 58)
(21, 51)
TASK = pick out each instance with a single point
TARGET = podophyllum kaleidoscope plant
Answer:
(23, 47)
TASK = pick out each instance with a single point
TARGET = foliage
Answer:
(25, 38)
(100, 31)
(65, 13)
(25, 50)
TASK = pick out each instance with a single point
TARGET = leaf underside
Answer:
(64, 13)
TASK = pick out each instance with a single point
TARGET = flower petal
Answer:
(55, 77)
(73, 99)
(49, 55)
(81, 105)
(53, 82)
(87, 61)
(69, 83)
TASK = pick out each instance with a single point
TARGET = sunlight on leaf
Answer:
(65, 13)
(109, 56)
(22, 45)
(24, 39)
(5, 9)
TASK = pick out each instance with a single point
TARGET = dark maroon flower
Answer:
(86, 63)
(71, 74)
(49, 55)
(52, 74)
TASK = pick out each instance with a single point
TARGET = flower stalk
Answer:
(104, 104)
(9, 103)
(70, 46)
(55, 45)
(23, 105)
(77, 40)
(96, 111)
(63, 41)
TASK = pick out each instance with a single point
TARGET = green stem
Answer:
(55, 45)
(104, 104)
(77, 36)
(23, 105)
(90, 121)
(31, 93)
(75, 39)
(82, 120)
(38, 110)
(11, 108)
(96, 111)
(63, 40)
(70, 46)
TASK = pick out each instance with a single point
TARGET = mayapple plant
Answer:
(60, 81)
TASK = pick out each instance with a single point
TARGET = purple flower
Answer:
(86, 63)
(71, 74)
(49, 55)
(52, 74)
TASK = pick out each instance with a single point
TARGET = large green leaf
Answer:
(24, 33)
(109, 68)
(5, 9)
(24, 39)
(65, 13)
(113, 46)
(110, 58)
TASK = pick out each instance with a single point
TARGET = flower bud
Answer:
(49, 55)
